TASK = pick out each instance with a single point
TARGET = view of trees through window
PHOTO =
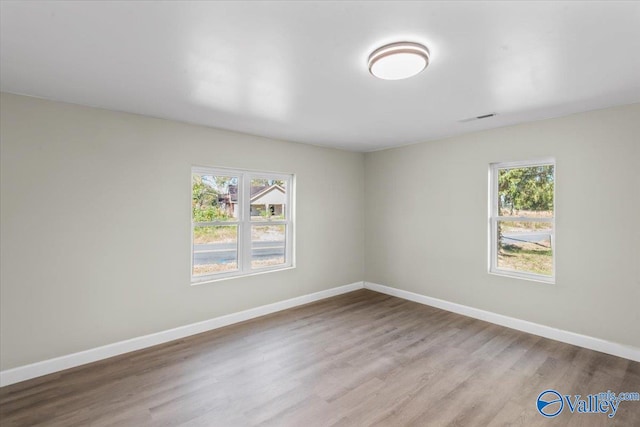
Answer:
(524, 219)
(217, 208)
(215, 229)
(210, 194)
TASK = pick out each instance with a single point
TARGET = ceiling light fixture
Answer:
(397, 61)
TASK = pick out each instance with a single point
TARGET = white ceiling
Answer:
(297, 71)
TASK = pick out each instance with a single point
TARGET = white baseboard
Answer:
(26, 372)
(597, 344)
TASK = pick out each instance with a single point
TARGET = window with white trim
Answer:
(522, 220)
(241, 222)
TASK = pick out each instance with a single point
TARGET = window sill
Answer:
(524, 276)
(207, 280)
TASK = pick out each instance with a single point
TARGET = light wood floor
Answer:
(358, 359)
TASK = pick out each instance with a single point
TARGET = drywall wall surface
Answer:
(427, 222)
(96, 220)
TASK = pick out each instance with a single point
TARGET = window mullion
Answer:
(493, 230)
(246, 222)
(496, 194)
(287, 228)
(214, 223)
(277, 222)
(523, 219)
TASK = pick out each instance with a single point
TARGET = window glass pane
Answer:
(268, 199)
(267, 245)
(215, 249)
(214, 198)
(525, 247)
(526, 191)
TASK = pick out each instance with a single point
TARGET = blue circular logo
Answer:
(549, 403)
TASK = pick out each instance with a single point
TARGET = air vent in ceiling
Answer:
(484, 116)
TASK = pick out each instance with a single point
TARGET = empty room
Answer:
(319, 213)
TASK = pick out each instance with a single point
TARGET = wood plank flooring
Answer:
(358, 359)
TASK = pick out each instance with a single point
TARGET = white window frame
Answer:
(494, 218)
(244, 222)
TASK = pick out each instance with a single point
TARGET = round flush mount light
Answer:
(397, 61)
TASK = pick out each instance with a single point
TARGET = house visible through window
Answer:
(522, 222)
(241, 222)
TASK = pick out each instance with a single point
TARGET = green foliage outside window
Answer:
(526, 189)
(205, 202)
(525, 192)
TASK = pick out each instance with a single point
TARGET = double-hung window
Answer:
(241, 222)
(522, 220)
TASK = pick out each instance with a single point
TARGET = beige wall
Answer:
(95, 223)
(426, 222)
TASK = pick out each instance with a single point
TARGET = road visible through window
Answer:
(523, 220)
(241, 222)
